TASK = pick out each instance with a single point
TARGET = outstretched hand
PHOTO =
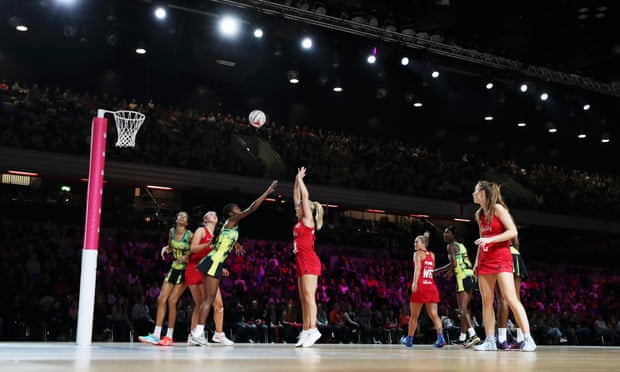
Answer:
(301, 172)
(273, 186)
(239, 251)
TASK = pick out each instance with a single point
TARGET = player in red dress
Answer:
(201, 246)
(423, 291)
(309, 219)
(494, 262)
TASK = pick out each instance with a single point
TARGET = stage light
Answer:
(19, 23)
(544, 96)
(413, 99)
(523, 88)
(258, 33)
(23, 173)
(156, 187)
(306, 43)
(229, 26)
(293, 76)
(404, 61)
(141, 49)
(66, 2)
(605, 138)
(160, 13)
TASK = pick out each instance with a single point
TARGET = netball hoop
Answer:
(127, 125)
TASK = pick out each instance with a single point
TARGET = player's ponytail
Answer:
(424, 238)
(317, 209)
(216, 232)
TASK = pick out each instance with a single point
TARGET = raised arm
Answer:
(307, 218)
(232, 221)
(296, 190)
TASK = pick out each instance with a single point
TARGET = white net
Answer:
(127, 125)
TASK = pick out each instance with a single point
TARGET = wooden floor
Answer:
(121, 357)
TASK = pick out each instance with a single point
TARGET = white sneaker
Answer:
(489, 344)
(197, 340)
(220, 338)
(312, 336)
(301, 338)
(528, 344)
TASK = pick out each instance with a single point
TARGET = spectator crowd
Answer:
(363, 293)
(53, 120)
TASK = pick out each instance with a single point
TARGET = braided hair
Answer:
(220, 225)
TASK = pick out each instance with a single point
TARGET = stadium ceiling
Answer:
(568, 50)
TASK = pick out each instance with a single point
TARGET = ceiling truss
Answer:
(414, 42)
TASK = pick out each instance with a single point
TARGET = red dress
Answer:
(192, 275)
(306, 260)
(427, 290)
(495, 257)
